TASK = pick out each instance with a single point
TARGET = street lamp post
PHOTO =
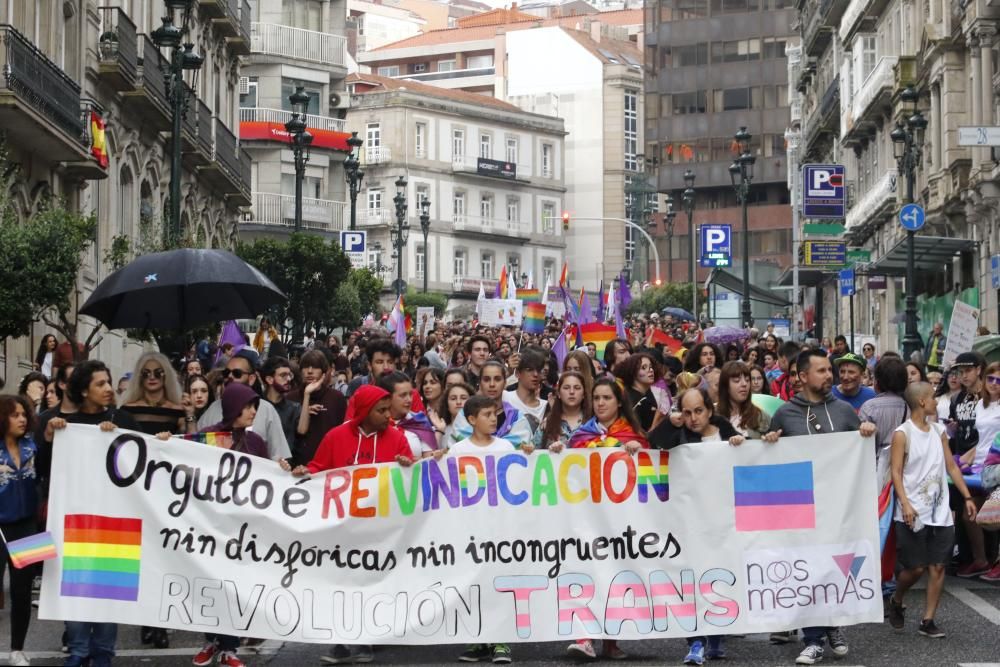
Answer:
(669, 217)
(741, 174)
(907, 141)
(300, 139)
(353, 174)
(170, 35)
(425, 227)
(687, 201)
(401, 232)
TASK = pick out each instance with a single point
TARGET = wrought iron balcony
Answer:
(40, 105)
(229, 170)
(118, 49)
(279, 210)
(149, 100)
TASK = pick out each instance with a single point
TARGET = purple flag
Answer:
(586, 314)
(559, 349)
(619, 321)
(230, 334)
(601, 316)
(624, 294)
(400, 335)
(572, 312)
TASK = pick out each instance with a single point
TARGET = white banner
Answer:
(961, 332)
(500, 312)
(500, 548)
(425, 320)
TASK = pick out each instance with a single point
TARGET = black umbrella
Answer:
(180, 290)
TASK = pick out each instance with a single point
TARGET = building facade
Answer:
(295, 43)
(713, 66)
(493, 175)
(66, 63)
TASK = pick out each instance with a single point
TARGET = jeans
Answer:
(91, 639)
(815, 636)
(20, 583)
(225, 643)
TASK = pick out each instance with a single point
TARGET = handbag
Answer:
(988, 517)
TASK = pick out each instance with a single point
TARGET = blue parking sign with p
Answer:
(716, 245)
(353, 241)
(824, 191)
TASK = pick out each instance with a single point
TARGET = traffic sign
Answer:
(824, 229)
(354, 243)
(911, 217)
(858, 256)
(824, 253)
(716, 245)
(979, 136)
(824, 191)
(847, 282)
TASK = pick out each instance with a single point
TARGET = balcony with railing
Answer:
(117, 49)
(278, 210)
(874, 92)
(879, 199)
(224, 14)
(285, 41)
(376, 155)
(488, 225)
(280, 116)
(42, 106)
(372, 217)
(820, 20)
(149, 100)
(229, 169)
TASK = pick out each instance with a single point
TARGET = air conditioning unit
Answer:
(244, 85)
(339, 99)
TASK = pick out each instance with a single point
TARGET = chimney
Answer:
(595, 31)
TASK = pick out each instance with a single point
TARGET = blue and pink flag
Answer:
(774, 497)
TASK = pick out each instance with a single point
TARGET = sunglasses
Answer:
(157, 373)
(992, 379)
(235, 372)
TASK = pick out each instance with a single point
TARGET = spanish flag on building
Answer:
(99, 140)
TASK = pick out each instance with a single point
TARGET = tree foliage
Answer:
(347, 312)
(414, 299)
(308, 269)
(655, 299)
(369, 289)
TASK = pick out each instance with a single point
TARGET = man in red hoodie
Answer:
(363, 439)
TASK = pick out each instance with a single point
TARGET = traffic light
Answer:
(565, 219)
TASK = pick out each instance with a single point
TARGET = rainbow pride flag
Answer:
(101, 557)
(31, 549)
(774, 497)
(223, 439)
(529, 295)
(598, 334)
(534, 317)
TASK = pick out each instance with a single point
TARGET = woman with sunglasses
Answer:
(154, 399)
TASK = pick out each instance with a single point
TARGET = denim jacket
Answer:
(18, 490)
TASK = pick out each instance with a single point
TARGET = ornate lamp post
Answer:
(300, 139)
(907, 142)
(741, 174)
(183, 58)
(425, 227)
(353, 174)
(401, 232)
(669, 218)
(687, 202)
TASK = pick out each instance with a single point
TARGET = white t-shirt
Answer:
(537, 412)
(943, 407)
(46, 368)
(925, 476)
(988, 425)
(498, 446)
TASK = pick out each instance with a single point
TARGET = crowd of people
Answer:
(463, 388)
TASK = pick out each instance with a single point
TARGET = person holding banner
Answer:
(366, 437)
(18, 509)
(454, 400)
(512, 424)
(570, 410)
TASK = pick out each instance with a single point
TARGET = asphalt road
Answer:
(969, 613)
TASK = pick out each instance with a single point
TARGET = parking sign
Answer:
(354, 243)
(824, 194)
(716, 245)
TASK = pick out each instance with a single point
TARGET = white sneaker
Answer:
(18, 659)
(810, 655)
(582, 649)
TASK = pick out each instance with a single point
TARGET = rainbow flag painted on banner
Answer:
(656, 475)
(223, 439)
(774, 497)
(534, 317)
(31, 549)
(101, 557)
(598, 334)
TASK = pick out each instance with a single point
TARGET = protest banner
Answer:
(425, 320)
(501, 312)
(500, 548)
(961, 332)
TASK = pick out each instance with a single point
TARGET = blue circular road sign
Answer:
(911, 217)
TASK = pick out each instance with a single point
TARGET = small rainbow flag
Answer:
(534, 317)
(101, 557)
(31, 549)
(598, 334)
(222, 439)
(774, 497)
(529, 295)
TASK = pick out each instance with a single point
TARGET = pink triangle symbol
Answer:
(844, 562)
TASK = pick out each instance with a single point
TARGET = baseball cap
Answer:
(851, 358)
(969, 359)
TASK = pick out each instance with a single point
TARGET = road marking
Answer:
(976, 603)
